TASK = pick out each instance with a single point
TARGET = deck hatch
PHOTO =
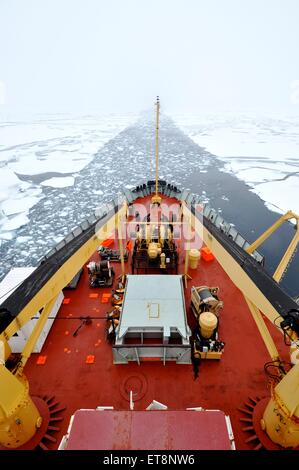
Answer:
(153, 318)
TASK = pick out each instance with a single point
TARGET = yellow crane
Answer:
(20, 416)
(280, 420)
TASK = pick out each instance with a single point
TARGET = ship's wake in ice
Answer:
(56, 171)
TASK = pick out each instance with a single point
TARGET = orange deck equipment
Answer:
(206, 254)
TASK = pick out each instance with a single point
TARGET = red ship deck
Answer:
(222, 385)
(141, 430)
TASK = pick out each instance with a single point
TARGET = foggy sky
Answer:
(117, 55)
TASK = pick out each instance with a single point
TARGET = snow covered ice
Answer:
(263, 151)
(48, 151)
(55, 177)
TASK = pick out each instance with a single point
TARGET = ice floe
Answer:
(263, 151)
(125, 160)
(35, 151)
(14, 222)
(278, 194)
(62, 182)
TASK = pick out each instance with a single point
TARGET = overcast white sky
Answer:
(117, 55)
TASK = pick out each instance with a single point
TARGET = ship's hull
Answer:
(77, 382)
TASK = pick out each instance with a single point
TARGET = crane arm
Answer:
(289, 253)
(19, 416)
(61, 276)
(280, 418)
(238, 269)
(289, 215)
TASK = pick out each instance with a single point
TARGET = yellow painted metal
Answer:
(187, 245)
(62, 276)
(157, 142)
(161, 223)
(153, 250)
(207, 322)
(26, 353)
(211, 355)
(162, 260)
(7, 349)
(237, 275)
(194, 256)
(121, 246)
(186, 275)
(19, 417)
(2, 353)
(287, 256)
(267, 233)
(291, 248)
(156, 198)
(281, 416)
(264, 332)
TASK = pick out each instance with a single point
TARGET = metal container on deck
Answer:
(194, 256)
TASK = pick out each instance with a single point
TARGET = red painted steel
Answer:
(223, 384)
(149, 430)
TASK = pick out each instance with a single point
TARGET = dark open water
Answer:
(128, 159)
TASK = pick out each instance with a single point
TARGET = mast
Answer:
(156, 199)
(157, 142)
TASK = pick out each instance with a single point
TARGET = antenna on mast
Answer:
(156, 199)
